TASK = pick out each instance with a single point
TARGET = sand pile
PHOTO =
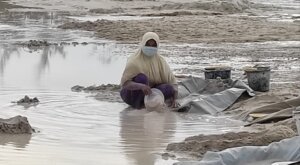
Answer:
(191, 29)
(106, 11)
(27, 100)
(6, 5)
(100, 88)
(178, 13)
(177, 23)
(227, 6)
(199, 145)
(291, 123)
(108, 92)
(15, 125)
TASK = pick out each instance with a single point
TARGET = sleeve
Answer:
(129, 72)
(170, 77)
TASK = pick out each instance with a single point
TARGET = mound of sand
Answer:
(106, 11)
(191, 29)
(228, 6)
(28, 100)
(6, 5)
(199, 145)
(109, 92)
(15, 125)
(291, 123)
(100, 88)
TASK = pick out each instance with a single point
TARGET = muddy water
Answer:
(74, 128)
(60, 67)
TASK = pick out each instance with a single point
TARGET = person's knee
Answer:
(133, 98)
(141, 78)
(124, 95)
(170, 91)
(167, 90)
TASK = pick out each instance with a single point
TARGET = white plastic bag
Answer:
(155, 101)
(282, 163)
(296, 116)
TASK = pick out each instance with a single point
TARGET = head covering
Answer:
(155, 68)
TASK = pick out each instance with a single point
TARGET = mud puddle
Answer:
(75, 128)
(24, 26)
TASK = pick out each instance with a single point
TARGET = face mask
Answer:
(149, 51)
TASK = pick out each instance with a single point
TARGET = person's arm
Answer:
(175, 87)
(170, 79)
(131, 85)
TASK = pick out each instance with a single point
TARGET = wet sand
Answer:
(210, 27)
(194, 29)
(197, 146)
(196, 22)
(194, 147)
(15, 125)
(6, 5)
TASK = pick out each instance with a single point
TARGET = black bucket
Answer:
(259, 78)
(213, 73)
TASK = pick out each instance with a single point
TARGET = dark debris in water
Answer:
(6, 5)
(108, 92)
(103, 87)
(27, 100)
(37, 43)
(15, 125)
(106, 11)
(166, 156)
(43, 43)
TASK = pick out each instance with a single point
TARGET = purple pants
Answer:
(135, 98)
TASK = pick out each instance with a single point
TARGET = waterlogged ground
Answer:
(74, 128)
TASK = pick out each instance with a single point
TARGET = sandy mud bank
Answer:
(5, 5)
(197, 146)
(15, 125)
(108, 92)
(190, 29)
(44, 43)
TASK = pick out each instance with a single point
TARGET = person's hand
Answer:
(174, 103)
(146, 89)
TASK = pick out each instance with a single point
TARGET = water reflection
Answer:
(143, 133)
(10, 16)
(47, 65)
(18, 141)
(24, 26)
(5, 52)
(46, 53)
(105, 52)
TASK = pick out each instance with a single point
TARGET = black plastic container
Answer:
(259, 78)
(214, 72)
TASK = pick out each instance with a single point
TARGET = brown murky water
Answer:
(77, 129)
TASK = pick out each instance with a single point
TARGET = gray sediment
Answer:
(197, 146)
(15, 125)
